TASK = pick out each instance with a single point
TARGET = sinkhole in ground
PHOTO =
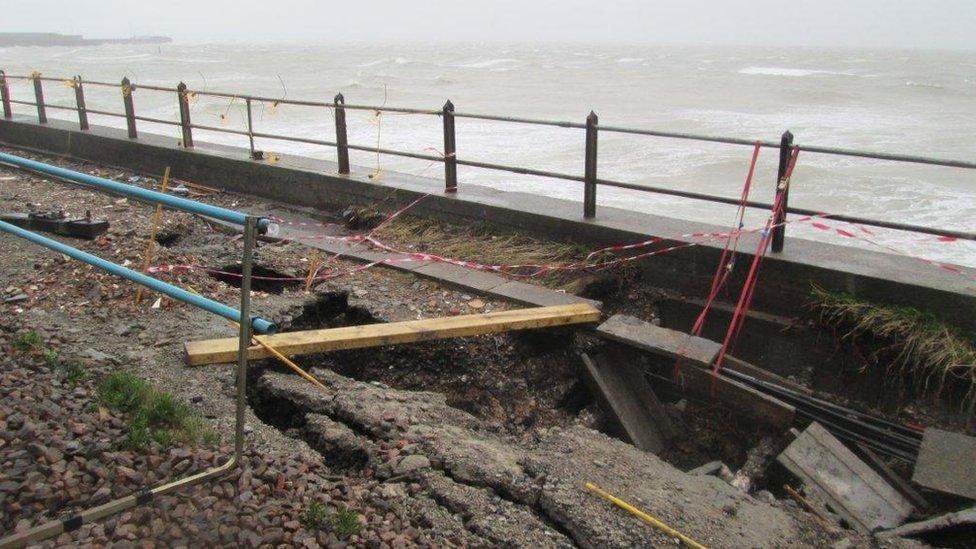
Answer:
(515, 382)
(263, 279)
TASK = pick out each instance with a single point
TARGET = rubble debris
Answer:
(756, 460)
(851, 488)
(697, 355)
(625, 395)
(714, 468)
(894, 478)
(946, 463)
(58, 222)
(964, 518)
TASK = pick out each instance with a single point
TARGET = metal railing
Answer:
(246, 326)
(590, 177)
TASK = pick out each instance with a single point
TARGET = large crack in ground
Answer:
(500, 480)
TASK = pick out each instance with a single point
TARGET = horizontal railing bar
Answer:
(105, 113)
(216, 129)
(295, 139)
(156, 120)
(892, 157)
(791, 210)
(19, 102)
(523, 171)
(689, 136)
(518, 120)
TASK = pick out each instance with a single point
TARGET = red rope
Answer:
(748, 287)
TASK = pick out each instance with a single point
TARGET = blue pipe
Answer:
(258, 324)
(174, 202)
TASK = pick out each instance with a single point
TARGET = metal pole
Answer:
(175, 292)
(139, 193)
(244, 333)
(130, 110)
(782, 188)
(5, 95)
(342, 142)
(589, 169)
(185, 125)
(144, 497)
(39, 96)
(250, 127)
(80, 101)
(450, 149)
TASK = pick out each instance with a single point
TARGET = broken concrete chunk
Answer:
(669, 343)
(947, 463)
(944, 522)
(628, 398)
(411, 463)
(846, 483)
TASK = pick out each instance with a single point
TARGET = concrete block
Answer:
(521, 292)
(627, 398)
(655, 339)
(947, 463)
(846, 483)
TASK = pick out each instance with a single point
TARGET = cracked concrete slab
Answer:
(539, 475)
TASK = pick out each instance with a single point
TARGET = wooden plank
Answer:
(655, 339)
(214, 351)
(630, 401)
(847, 484)
(947, 463)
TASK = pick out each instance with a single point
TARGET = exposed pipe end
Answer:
(263, 326)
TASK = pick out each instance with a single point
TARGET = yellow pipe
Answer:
(643, 516)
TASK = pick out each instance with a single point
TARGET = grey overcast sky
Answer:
(912, 24)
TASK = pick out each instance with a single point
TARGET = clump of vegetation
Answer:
(923, 347)
(154, 416)
(413, 234)
(344, 522)
(315, 516)
(27, 341)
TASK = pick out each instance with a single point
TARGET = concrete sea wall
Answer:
(785, 280)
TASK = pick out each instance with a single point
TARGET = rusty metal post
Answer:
(130, 110)
(80, 101)
(342, 141)
(782, 188)
(185, 126)
(39, 96)
(589, 168)
(450, 149)
(5, 96)
(250, 127)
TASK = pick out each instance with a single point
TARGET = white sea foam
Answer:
(787, 71)
(484, 64)
(625, 60)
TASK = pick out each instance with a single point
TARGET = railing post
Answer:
(39, 98)
(450, 149)
(589, 168)
(250, 127)
(5, 96)
(130, 110)
(782, 188)
(185, 125)
(80, 101)
(342, 140)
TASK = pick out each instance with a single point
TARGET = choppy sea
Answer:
(921, 103)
